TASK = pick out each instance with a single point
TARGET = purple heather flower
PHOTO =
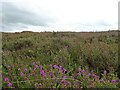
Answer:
(113, 81)
(22, 74)
(66, 82)
(94, 75)
(6, 79)
(79, 73)
(64, 77)
(9, 84)
(83, 71)
(79, 69)
(36, 66)
(77, 83)
(42, 73)
(88, 74)
(55, 66)
(60, 67)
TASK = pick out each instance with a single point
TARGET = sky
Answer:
(59, 15)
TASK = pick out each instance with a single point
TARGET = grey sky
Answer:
(60, 15)
(14, 17)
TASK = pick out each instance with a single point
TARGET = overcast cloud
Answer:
(15, 18)
(13, 15)
(59, 15)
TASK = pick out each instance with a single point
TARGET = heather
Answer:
(60, 60)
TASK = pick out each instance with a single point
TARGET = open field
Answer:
(60, 60)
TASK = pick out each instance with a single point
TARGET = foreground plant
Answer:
(56, 76)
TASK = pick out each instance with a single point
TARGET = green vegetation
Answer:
(60, 60)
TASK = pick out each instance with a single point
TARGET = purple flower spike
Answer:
(42, 73)
(54, 77)
(6, 79)
(79, 73)
(79, 69)
(66, 83)
(64, 77)
(55, 66)
(83, 70)
(9, 84)
(113, 81)
(94, 75)
(36, 66)
(60, 67)
(22, 74)
(88, 74)
(76, 83)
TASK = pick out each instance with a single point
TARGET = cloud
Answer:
(74, 15)
(14, 17)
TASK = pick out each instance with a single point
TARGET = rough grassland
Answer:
(60, 60)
